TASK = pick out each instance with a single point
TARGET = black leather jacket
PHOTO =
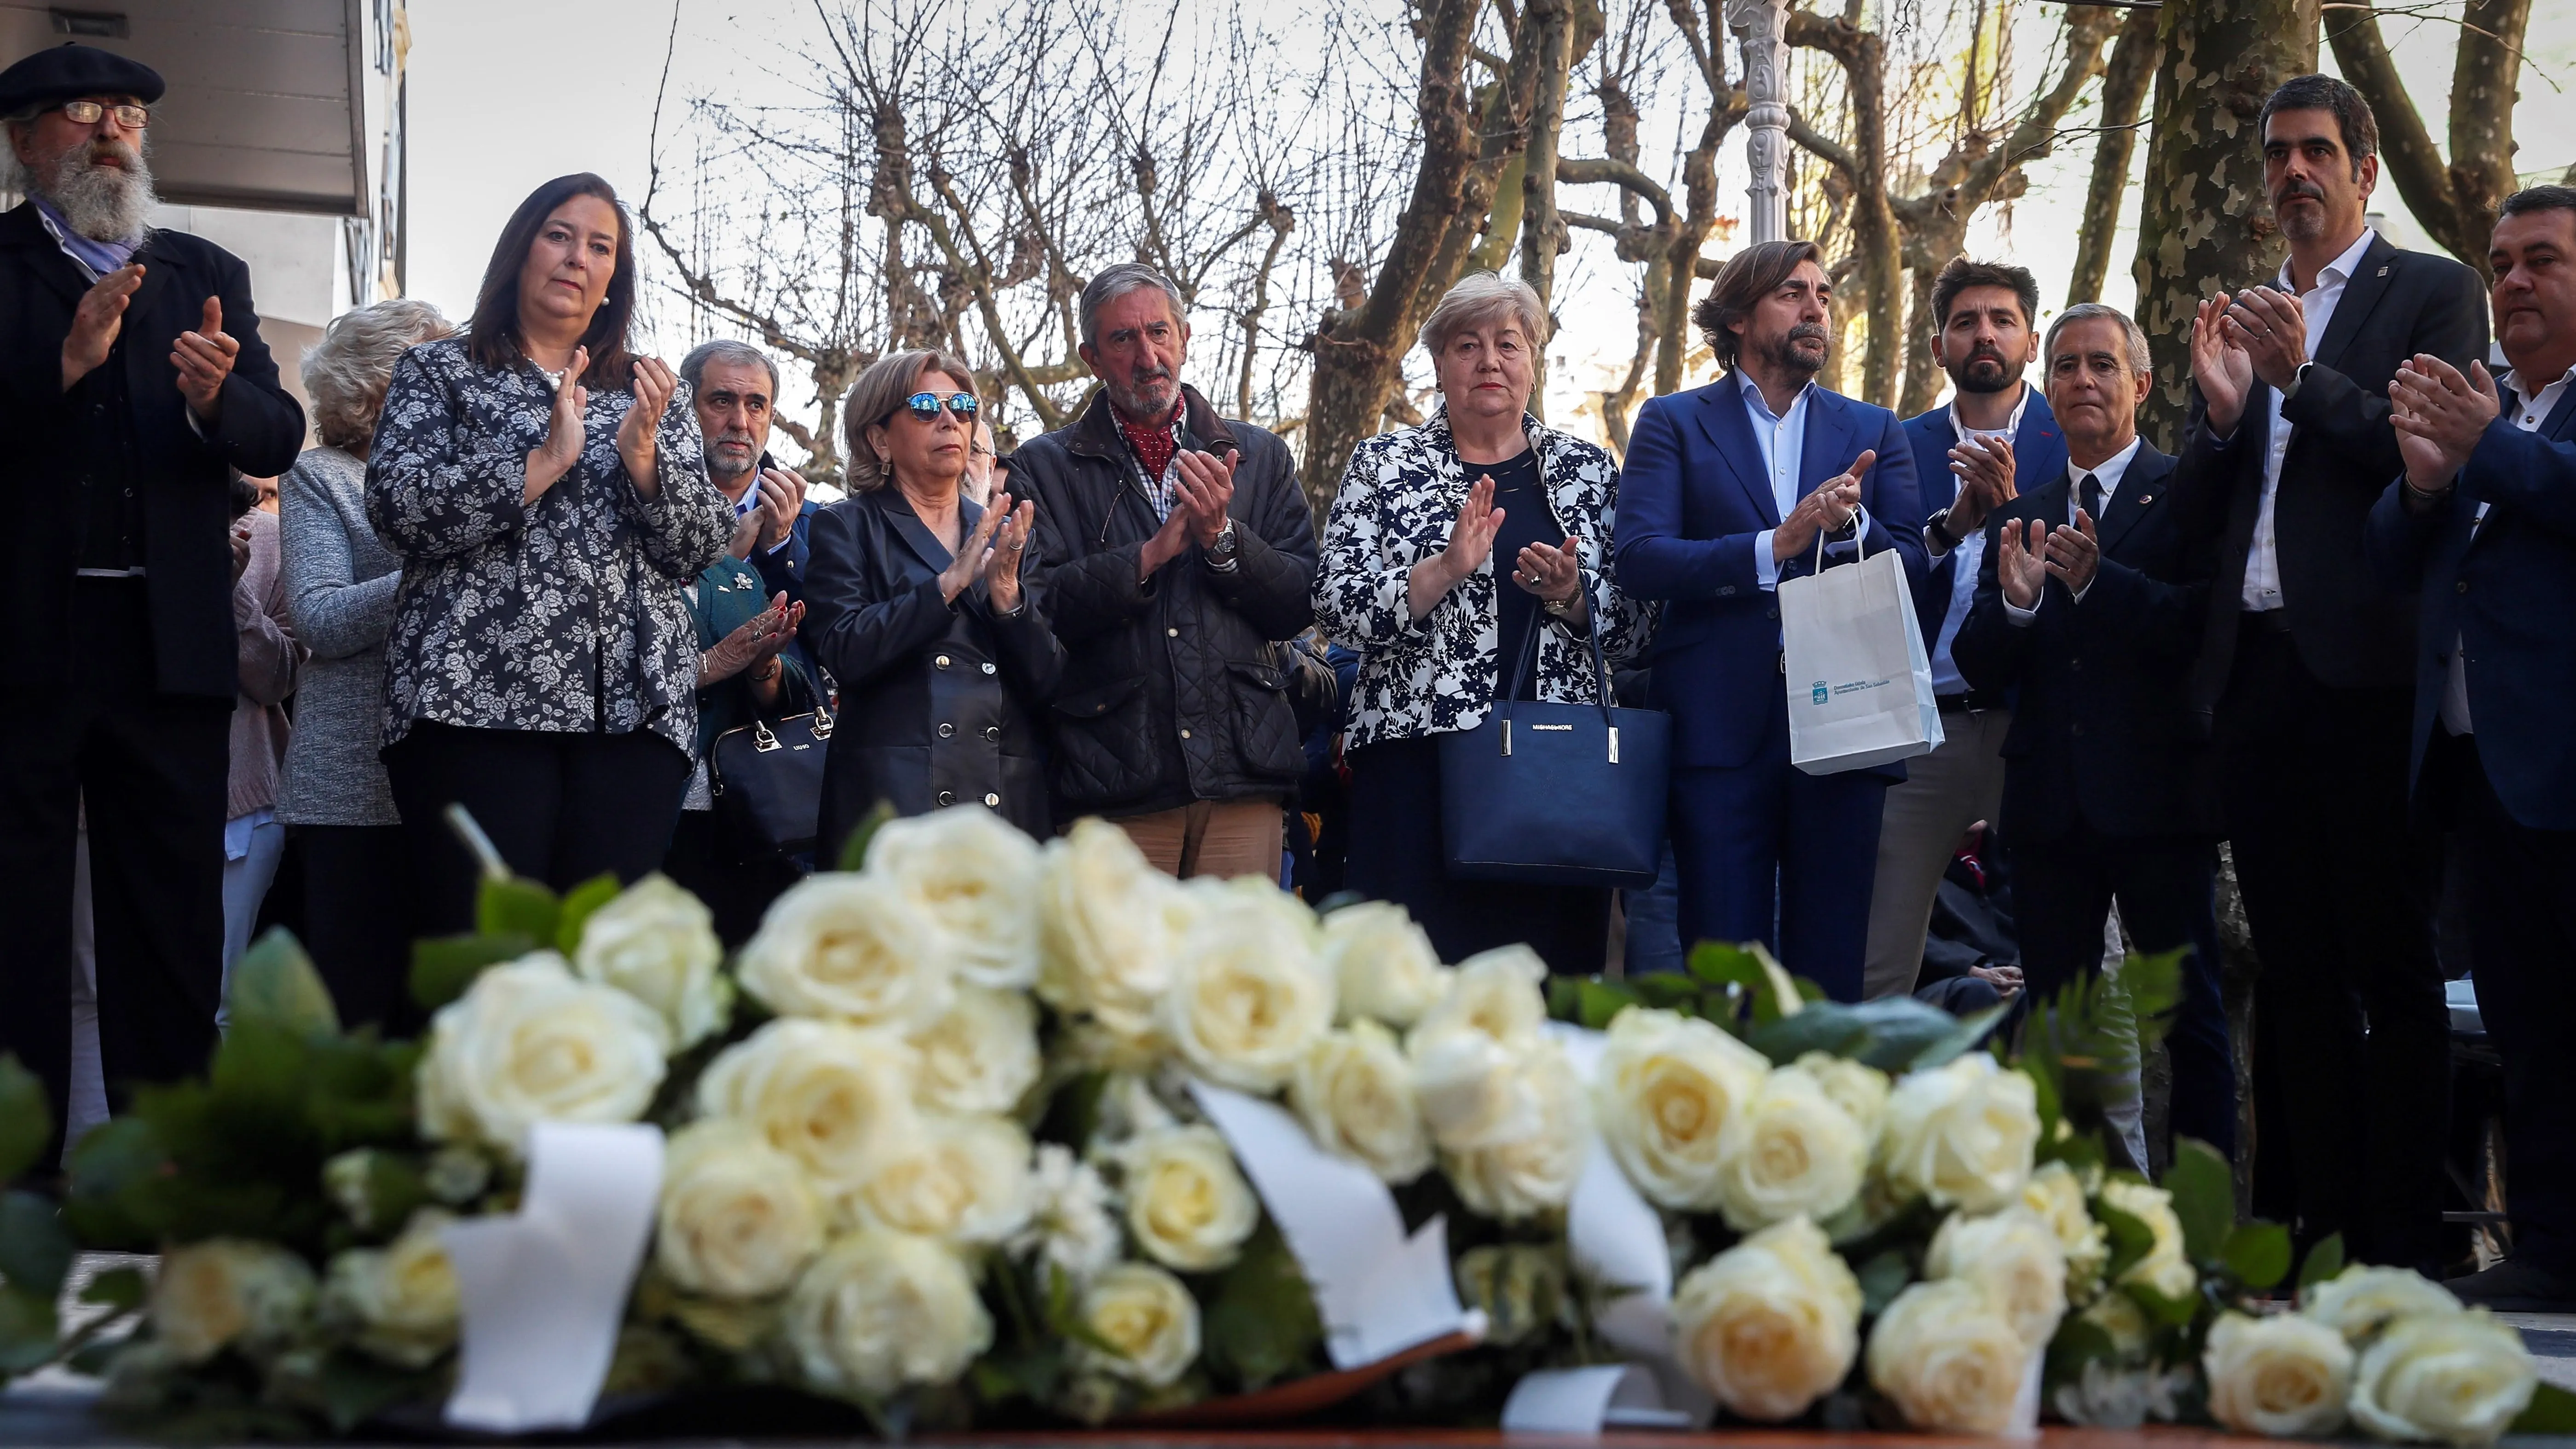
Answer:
(1172, 690)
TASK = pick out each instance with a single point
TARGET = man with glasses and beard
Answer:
(1727, 490)
(2308, 670)
(1969, 457)
(133, 385)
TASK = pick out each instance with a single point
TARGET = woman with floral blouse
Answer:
(545, 490)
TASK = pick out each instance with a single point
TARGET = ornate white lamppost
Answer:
(1759, 26)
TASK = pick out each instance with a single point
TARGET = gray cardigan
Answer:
(340, 585)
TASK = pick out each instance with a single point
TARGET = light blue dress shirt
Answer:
(1782, 437)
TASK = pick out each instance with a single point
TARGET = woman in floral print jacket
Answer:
(1426, 521)
(546, 491)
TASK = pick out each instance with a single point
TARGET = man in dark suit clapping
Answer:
(2308, 667)
(2484, 521)
(2090, 600)
(132, 383)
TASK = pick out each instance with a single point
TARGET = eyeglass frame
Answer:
(118, 109)
(961, 405)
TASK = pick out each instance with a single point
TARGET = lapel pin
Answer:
(2383, 271)
(2145, 498)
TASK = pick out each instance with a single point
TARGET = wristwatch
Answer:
(2298, 380)
(1939, 527)
(1221, 552)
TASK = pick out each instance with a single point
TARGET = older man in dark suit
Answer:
(2484, 521)
(132, 383)
(2308, 668)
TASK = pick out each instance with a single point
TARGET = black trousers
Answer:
(1396, 855)
(2352, 1040)
(2522, 892)
(151, 768)
(561, 808)
(736, 879)
(2062, 894)
(357, 921)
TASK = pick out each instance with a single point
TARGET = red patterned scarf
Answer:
(1152, 443)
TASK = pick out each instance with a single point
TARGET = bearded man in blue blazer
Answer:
(1728, 489)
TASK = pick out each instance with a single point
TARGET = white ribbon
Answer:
(1378, 1290)
(545, 1290)
(1587, 1400)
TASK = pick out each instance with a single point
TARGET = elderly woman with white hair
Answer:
(340, 584)
(1427, 520)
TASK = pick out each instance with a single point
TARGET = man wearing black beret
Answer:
(132, 380)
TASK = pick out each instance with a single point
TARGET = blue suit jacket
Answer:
(2039, 457)
(2505, 595)
(1692, 499)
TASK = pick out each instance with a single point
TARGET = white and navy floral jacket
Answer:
(566, 616)
(1398, 500)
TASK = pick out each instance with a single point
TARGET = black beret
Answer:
(72, 70)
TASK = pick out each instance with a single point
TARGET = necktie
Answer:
(2090, 491)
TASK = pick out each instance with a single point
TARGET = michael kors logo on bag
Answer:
(1560, 729)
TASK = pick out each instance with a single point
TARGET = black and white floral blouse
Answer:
(1398, 500)
(564, 617)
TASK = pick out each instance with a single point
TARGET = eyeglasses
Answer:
(925, 405)
(86, 113)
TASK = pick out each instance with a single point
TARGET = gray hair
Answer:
(876, 395)
(1481, 299)
(1112, 283)
(347, 372)
(2140, 361)
(693, 368)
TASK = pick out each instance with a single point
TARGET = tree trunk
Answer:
(1552, 22)
(2204, 224)
(2124, 85)
(2456, 201)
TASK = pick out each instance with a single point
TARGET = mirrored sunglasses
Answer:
(925, 405)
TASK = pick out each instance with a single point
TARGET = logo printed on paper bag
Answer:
(1817, 696)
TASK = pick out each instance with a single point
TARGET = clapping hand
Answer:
(97, 320)
(2022, 567)
(2074, 553)
(2272, 328)
(1010, 544)
(1203, 486)
(204, 359)
(2223, 370)
(976, 554)
(550, 460)
(1984, 466)
(2440, 415)
(782, 497)
(754, 643)
(654, 386)
(1471, 542)
(1826, 510)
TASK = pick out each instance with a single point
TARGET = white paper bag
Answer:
(1860, 681)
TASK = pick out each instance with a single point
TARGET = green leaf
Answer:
(1971, 1030)
(2131, 1239)
(274, 982)
(2044, 1098)
(1668, 991)
(2258, 1253)
(356, 1388)
(1602, 1000)
(1749, 967)
(442, 967)
(119, 1290)
(1261, 1323)
(854, 851)
(26, 1119)
(1564, 998)
(516, 907)
(1887, 1033)
(2204, 1198)
(27, 1330)
(578, 903)
(2079, 1341)
(116, 1174)
(1881, 1279)
(2325, 1261)
(2552, 1410)
(2171, 1312)
(35, 1248)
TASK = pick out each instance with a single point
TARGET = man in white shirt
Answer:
(2306, 676)
(2484, 521)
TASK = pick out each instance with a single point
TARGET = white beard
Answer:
(100, 202)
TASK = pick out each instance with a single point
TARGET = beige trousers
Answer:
(1223, 838)
(1944, 793)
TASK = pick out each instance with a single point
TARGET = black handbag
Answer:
(767, 777)
(1556, 794)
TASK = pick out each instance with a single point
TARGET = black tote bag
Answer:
(768, 776)
(1556, 794)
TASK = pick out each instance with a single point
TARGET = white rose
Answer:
(1383, 963)
(2119, 1316)
(402, 1296)
(1148, 1317)
(976, 876)
(1788, 1151)
(881, 1310)
(530, 1042)
(1248, 994)
(2458, 1378)
(2015, 1257)
(1961, 1134)
(2281, 1376)
(982, 1054)
(1535, 1172)
(2057, 1195)
(852, 948)
(1187, 1202)
(1666, 1088)
(2362, 1299)
(1070, 1225)
(739, 1218)
(1948, 1358)
(1354, 1090)
(2165, 1268)
(1471, 1090)
(1107, 928)
(1493, 993)
(657, 943)
(1770, 1325)
(836, 1098)
(1858, 1089)
(228, 1291)
(960, 1179)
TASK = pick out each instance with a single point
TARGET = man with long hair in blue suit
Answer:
(1728, 489)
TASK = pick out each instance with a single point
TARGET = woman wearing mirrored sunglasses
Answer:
(916, 605)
